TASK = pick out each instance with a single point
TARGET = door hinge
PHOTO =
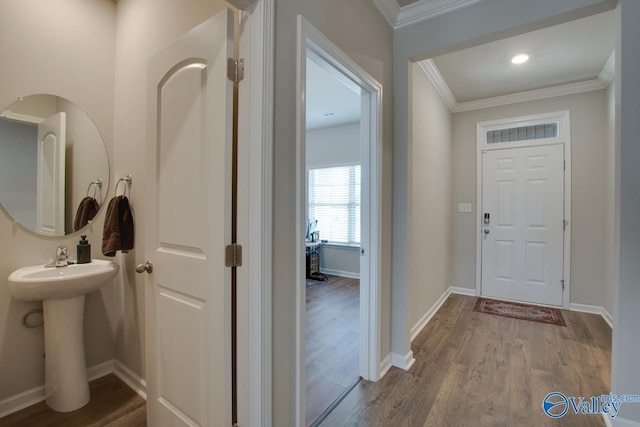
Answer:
(564, 224)
(233, 255)
(564, 165)
(235, 69)
(562, 283)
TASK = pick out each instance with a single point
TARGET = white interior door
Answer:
(522, 243)
(188, 225)
(50, 180)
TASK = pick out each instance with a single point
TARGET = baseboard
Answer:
(415, 330)
(130, 378)
(403, 361)
(385, 365)
(420, 324)
(607, 420)
(462, 291)
(332, 272)
(593, 309)
(37, 394)
(623, 422)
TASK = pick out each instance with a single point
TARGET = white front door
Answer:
(51, 177)
(188, 304)
(522, 229)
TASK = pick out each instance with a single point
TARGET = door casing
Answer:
(563, 118)
(312, 42)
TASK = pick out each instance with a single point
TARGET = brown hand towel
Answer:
(118, 227)
(87, 209)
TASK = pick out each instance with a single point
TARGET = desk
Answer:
(312, 252)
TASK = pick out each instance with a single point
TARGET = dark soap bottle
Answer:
(84, 251)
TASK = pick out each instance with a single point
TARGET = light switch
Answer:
(464, 207)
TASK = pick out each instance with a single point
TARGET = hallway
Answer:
(475, 369)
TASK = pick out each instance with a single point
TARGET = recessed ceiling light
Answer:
(520, 58)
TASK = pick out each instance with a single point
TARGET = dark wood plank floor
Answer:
(112, 404)
(332, 347)
(475, 369)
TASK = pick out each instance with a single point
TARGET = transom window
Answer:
(334, 201)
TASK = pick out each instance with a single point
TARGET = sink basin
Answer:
(62, 292)
(38, 283)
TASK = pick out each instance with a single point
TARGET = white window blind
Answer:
(334, 201)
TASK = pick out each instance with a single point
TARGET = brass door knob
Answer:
(147, 266)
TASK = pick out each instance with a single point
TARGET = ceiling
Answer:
(575, 51)
(330, 102)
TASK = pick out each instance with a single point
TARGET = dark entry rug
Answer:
(516, 310)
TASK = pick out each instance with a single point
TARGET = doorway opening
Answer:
(338, 211)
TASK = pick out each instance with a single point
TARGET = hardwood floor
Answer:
(332, 347)
(112, 404)
(476, 369)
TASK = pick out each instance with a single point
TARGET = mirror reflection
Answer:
(54, 168)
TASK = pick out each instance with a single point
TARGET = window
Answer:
(523, 133)
(334, 201)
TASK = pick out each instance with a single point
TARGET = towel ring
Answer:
(126, 181)
(97, 184)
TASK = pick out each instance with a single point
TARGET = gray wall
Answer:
(65, 48)
(588, 176)
(610, 199)
(429, 202)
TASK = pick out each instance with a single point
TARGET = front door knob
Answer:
(147, 266)
(486, 231)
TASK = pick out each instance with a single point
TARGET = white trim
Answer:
(37, 394)
(349, 274)
(22, 118)
(389, 9)
(385, 365)
(462, 291)
(564, 137)
(256, 165)
(130, 378)
(608, 71)
(593, 309)
(420, 324)
(427, 9)
(312, 43)
(433, 73)
(403, 361)
(607, 420)
(426, 318)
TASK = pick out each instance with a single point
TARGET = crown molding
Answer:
(608, 72)
(427, 9)
(421, 10)
(530, 95)
(432, 72)
(389, 9)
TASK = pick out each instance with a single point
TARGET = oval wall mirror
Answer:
(54, 169)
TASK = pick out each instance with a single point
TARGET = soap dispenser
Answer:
(84, 251)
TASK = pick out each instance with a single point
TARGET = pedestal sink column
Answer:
(66, 385)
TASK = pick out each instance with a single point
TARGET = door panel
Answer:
(50, 191)
(522, 246)
(189, 222)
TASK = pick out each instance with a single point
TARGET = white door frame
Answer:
(563, 118)
(313, 42)
(255, 207)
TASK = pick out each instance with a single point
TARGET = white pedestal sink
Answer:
(62, 291)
